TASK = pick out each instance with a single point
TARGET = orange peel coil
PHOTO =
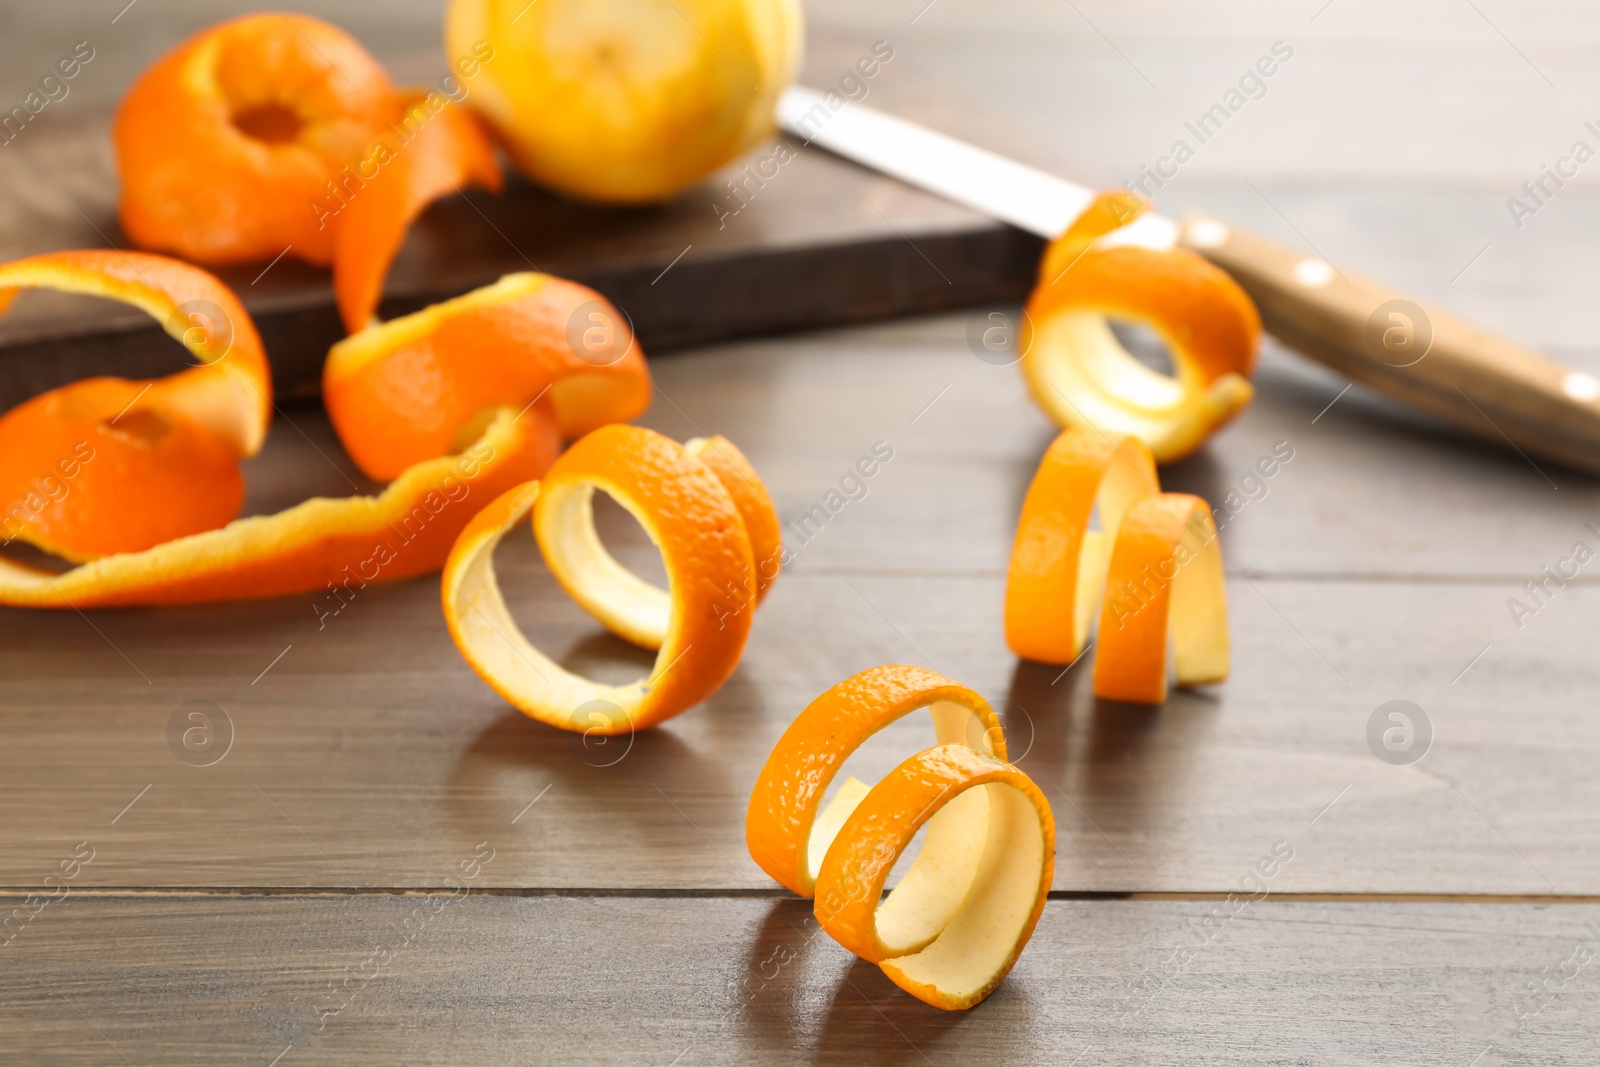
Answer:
(1079, 372)
(698, 625)
(953, 927)
(1164, 590)
(1058, 564)
(1153, 570)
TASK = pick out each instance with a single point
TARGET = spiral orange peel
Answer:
(1165, 589)
(1058, 564)
(698, 625)
(1080, 373)
(953, 927)
(1153, 571)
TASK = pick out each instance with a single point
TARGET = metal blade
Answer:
(998, 187)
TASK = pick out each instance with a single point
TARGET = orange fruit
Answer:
(626, 101)
(1058, 565)
(1081, 375)
(698, 625)
(1165, 586)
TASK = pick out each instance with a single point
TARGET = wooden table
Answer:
(287, 903)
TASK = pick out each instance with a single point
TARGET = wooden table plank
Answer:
(380, 749)
(488, 979)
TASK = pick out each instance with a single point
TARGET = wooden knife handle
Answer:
(1422, 355)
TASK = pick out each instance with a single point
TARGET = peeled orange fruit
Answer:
(627, 101)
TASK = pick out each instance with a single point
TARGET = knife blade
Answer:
(1476, 380)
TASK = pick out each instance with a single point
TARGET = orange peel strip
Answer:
(699, 625)
(1079, 372)
(135, 463)
(408, 389)
(227, 142)
(950, 938)
(1058, 565)
(951, 929)
(1165, 586)
(431, 150)
(343, 544)
(784, 831)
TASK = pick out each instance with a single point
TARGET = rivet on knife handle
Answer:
(1410, 350)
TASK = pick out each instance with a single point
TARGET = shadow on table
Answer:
(636, 778)
(805, 995)
(1108, 768)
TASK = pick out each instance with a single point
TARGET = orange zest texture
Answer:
(953, 927)
(1080, 373)
(1153, 570)
(698, 625)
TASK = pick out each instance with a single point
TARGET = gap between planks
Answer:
(776, 893)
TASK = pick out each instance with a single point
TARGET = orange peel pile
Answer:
(131, 479)
(953, 927)
(1153, 568)
(1080, 373)
(278, 134)
(712, 521)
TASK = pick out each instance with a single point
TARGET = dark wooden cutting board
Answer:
(822, 243)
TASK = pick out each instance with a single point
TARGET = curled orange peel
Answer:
(1165, 589)
(133, 479)
(110, 465)
(1058, 564)
(408, 389)
(225, 144)
(432, 149)
(1079, 372)
(1153, 571)
(341, 545)
(955, 924)
(698, 625)
(277, 134)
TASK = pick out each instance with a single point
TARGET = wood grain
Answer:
(486, 979)
(1376, 564)
(369, 749)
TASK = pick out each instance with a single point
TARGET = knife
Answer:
(1417, 353)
